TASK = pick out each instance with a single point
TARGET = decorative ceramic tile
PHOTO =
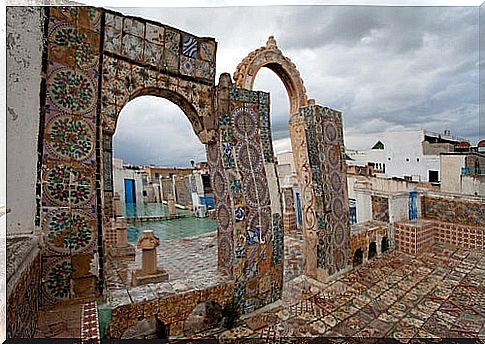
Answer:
(187, 66)
(114, 21)
(170, 60)
(56, 278)
(172, 40)
(112, 40)
(71, 91)
(155, 34)
(133, 47)
(133, 27)
(152, 54)
(68, 138)
(189, 46)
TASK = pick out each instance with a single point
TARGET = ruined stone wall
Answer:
(363, 234)
(95, 62)
(170, 306)
(24, 38)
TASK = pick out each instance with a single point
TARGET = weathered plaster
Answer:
(24, 62)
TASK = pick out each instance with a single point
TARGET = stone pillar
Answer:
(172, 211)
(117, 205)
(149, 272)
(121, 249)
(149, 261)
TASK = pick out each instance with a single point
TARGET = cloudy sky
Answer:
(385, 68)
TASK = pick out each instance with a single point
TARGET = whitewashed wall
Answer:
(24, 37)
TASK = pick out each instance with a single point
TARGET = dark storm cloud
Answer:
(385, 68)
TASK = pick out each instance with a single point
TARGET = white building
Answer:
(124, 176)
(411, 155)
(463, 173)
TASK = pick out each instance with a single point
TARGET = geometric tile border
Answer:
(89, 323)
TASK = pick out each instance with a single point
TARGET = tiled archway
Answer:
(317, 143)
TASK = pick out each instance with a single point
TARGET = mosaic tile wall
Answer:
(69, 155)
(380, 208)
(470, 237)
(325, 151)
(414, 238)
(144, 57)
(250, 230)
(96, 61)
(452, 210)
(24, 301)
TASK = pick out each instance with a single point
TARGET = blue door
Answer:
(413, 205)
(130, 195)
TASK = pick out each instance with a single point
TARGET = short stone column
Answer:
(117, 205)
(172, 211)
(149, 272)
(121, 248)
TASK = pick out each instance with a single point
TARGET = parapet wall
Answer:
(23, 286)
(415, 237)
(171, 306)
(468, 211)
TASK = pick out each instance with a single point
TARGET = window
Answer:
(407, 159)
(389, 158)
(352, 211)
(206, 181)
(433, 176)
(417, 159)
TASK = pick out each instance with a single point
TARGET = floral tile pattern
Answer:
(69, 147)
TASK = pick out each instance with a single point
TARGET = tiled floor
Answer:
(181, 258)
(439, 294)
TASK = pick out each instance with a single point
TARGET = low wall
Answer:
(470, 237)
(23, 286)
(459, 210)
(414, 237)
(171, 305)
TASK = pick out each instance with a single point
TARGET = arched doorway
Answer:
(154, 155)
(156, 141)
(358, 258)
(372, 250)
(384, 244)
